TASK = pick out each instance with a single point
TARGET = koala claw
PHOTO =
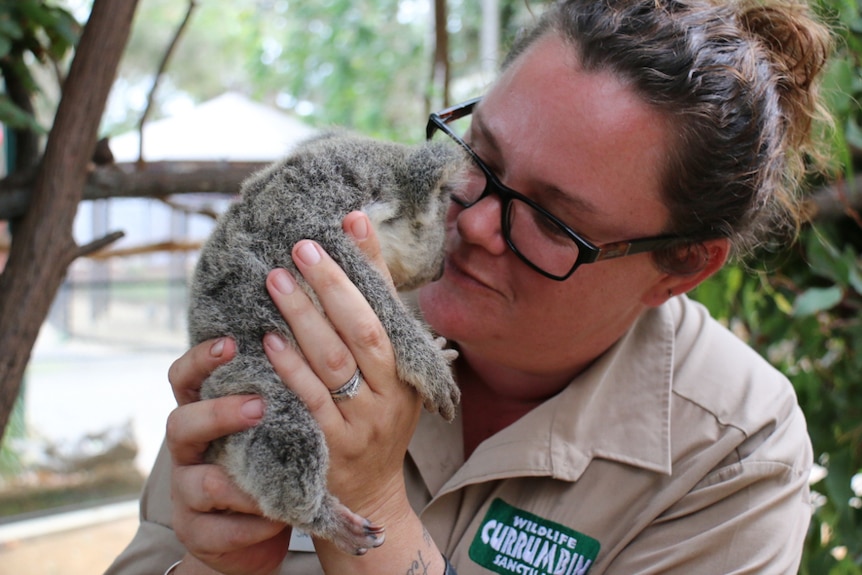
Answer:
(356, 535)
(449, 355)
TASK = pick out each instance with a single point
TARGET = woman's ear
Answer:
(712, 254)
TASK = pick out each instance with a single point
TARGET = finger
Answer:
(187, 373)
(191, 427)
(208, 488)
(216, 534)
(346, 307)
(299, 376)
(358, 226)
(322, 346)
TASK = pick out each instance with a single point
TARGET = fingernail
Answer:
(283, 282)
(359, 228)
(274, 341)
(252, 409)
(217, 348)
(308, 253)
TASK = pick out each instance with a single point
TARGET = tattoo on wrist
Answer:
(418, 566)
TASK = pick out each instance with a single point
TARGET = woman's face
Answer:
(588, 150)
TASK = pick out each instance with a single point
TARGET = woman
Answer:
(607, 424)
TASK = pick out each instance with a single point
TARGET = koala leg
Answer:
(352, 533)
(282, 462)
(422, 362)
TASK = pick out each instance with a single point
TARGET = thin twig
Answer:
(162, 67)
(98, 244)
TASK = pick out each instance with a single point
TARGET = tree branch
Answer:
(149, 180)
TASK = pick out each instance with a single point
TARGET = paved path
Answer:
(74, 388)
(85, 551)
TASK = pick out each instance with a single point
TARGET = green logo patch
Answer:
(511, 541)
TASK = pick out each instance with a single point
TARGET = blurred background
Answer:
(207, 91)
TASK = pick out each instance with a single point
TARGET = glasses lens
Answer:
(534, 236)
(471, 190)
(540, 239)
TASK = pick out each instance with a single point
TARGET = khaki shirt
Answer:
(680, 450)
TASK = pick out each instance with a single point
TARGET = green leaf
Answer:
(15, 117)
(853, 133)
(814, 300)
(5, 46)
(855, 278)
(9, 28)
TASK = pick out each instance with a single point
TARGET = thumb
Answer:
(358, 226)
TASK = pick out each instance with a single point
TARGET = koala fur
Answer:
(282, 462)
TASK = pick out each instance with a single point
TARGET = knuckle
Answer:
(369, 333)
(173, 372)
(172, 428)
(315, 402)
(327, 279)
(213, 486)
(338, 360)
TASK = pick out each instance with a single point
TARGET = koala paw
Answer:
(431, 375)
(422, 361)
(354, 534)
(449, 355)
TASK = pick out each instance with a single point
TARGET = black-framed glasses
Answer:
(538, 237)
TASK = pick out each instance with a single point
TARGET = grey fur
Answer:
(283, 461)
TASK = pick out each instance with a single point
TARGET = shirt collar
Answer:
(618, 409)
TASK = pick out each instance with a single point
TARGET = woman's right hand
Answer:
(220, 526)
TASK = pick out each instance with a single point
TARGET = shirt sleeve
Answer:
(155, 546)
(748, 516)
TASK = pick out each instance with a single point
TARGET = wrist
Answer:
(388, 505)
(408, 549)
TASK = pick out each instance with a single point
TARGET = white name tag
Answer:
(300, 541)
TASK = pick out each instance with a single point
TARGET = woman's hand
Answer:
(368, 434)
(219, 524)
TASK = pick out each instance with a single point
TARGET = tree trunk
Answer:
(439, 96)
(42, 244)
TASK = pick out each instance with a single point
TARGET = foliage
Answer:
(30, 29)
(804, 313)
(361, 64)
(365, 64)
(358, 64)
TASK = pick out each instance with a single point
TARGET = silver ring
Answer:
(349, 390)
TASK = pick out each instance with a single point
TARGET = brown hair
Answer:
(738, 79)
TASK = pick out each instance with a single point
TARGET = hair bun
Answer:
(799, 48)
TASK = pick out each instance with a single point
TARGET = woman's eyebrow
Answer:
(568, 201)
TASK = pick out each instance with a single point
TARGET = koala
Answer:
(282, 462)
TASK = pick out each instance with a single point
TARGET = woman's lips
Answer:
(460, 272)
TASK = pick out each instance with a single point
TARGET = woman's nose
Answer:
(480, 224)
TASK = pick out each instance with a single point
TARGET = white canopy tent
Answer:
(230, 127)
